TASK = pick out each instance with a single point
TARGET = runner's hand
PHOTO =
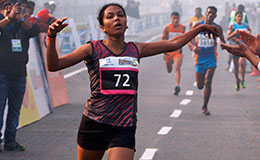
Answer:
(196, 49)
(252, 42)
(57, 26)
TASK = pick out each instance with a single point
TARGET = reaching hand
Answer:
(252, 42)
(16, 10)
(241, 50)
(212, 31)
(57, 26)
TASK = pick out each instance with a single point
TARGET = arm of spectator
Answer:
(9, 18)
(243, 51)
(252, 42)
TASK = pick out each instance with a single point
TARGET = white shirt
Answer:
(258, 66)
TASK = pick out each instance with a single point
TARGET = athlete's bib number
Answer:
(119, 76)
(204, 41)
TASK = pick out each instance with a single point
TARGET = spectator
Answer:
(15, 33)
(29, 12)
(45, 17)
(1, 4)
(52, 7)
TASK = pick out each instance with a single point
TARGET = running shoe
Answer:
(177, 90)
(13, 146)
(237, 86)
(243, 84)
(205, 112)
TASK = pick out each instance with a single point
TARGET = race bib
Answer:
(174, 34)
(118, 75)
(204, 41)
(16, 45)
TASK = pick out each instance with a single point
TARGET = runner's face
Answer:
(175, 20)
(239, 18)
(114, 21)
(211, 14)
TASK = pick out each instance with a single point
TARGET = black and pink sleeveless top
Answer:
(113, 83)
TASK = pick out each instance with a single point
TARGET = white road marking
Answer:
(164, 130)
(148, 154)
(71, 74)
(176, 113)
(75, 72)
(185, 102)
(189, 93)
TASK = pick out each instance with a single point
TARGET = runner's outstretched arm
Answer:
(154, 48)
(54, 62)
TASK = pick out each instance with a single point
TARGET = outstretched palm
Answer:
(239, 50)
(251, 41)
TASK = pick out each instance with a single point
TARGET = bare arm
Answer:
(243, 51)
(192, 45)
(4, 22)
(221, 35)
(230, 32)
(54, 62)
(11, 16)
(165, 34)
(252, 42)
(154, 48)
(248, 28)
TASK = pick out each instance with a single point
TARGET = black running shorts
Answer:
(98, 136)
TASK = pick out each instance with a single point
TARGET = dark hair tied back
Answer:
(102, 12)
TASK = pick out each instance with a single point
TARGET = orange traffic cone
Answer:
(255, 72)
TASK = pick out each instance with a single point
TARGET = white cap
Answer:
(52, 3)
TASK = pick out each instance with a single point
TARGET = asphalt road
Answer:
(169, 127)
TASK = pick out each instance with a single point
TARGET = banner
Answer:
(57, 84)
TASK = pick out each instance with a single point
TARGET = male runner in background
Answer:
(171, 30)
(197, 18)
(206, 57)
